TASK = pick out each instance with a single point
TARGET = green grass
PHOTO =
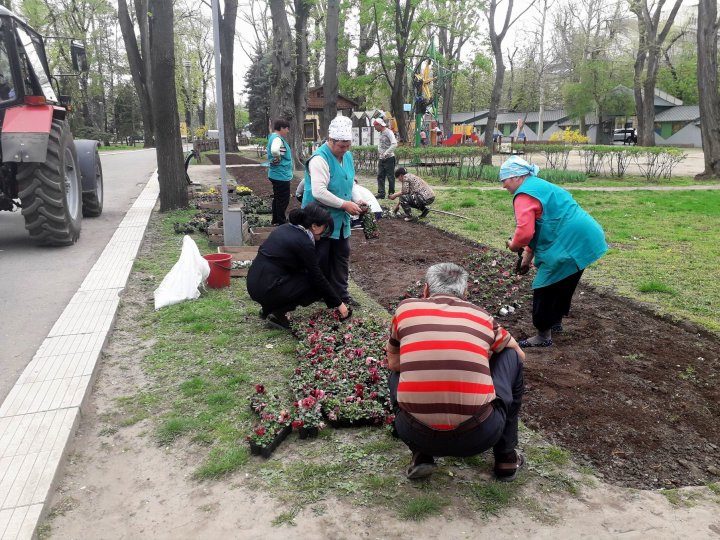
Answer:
(422, 507)
(656, 239)
(492, 497)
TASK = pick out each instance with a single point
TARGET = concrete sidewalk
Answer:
(39, 417)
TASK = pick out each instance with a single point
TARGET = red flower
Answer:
(308, 402)
(297, 424)
(373, 395)
(260, 431)
(259, 388)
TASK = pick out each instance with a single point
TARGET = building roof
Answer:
(591, 119)
(663, 99)
(466, 117)
(682, 113)
(316, 100)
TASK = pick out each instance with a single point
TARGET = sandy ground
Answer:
(123, 486)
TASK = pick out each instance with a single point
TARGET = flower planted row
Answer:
(341, 379)
(492, 282)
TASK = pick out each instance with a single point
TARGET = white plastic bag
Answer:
(182, 281)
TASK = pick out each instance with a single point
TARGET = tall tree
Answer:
(139, 61)
(361, 80)
(456, 22)
(330, 79)
(496, 39)
(171, 173)
(396, 19)
(302, 13)
(707, 77)
(227, 54)
(647, 61)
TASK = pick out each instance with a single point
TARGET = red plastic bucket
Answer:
(220, 265)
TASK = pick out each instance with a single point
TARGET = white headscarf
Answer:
(340, 129)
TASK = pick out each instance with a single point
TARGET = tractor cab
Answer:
(24, 70)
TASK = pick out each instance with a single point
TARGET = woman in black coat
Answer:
(286, 274)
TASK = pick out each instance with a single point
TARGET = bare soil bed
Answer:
(634, 395)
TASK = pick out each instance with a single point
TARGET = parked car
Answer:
(625, 135)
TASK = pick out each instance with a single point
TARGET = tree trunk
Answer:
(171, 172)
(138, 70)
(227, 43)
(330, 78)
(365, 43)
(302, 13)
(651, 39)
(707, 78)
(282, 103)
(494, 101)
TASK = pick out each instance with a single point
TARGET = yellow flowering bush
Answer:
(569, 136)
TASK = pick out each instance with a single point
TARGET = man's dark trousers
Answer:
(386, 168)
(499, 431)
(281, 199)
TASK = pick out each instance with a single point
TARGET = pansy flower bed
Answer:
(492, 282)
(341, 379)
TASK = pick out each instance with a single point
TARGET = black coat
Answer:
(286, 272)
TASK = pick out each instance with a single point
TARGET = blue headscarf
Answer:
(516, 166)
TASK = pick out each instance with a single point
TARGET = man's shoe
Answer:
(422, 466)
(508, 466)
(425, 212)
(379, 195)
(278, 321)
(263, 314)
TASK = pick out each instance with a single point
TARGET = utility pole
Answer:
(188, 112)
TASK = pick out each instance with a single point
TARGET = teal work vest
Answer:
(342, 178)
(283, 170)
(567, 239)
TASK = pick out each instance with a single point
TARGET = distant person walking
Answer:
(280, 171)
(562, 238)
(386, 158)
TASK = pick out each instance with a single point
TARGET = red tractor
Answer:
(53, 179)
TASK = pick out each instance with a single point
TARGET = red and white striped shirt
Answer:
(444, 345)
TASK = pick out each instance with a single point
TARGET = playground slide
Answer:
(457, 139)
(454, 140)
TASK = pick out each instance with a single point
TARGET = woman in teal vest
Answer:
(562, 238)
(329, 178)
(280, 169)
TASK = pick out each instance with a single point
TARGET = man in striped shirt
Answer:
(457, 377)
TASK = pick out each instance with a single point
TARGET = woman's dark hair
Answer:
(400, 171)
(280, 123)
(312, 214)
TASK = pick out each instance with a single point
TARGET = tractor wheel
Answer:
(92, 178)
(51, 192)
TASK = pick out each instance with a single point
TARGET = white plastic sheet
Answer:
(183, 280)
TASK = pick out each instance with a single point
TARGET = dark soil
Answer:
(232, 159)
(632, 394)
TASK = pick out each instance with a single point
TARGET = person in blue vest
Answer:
(562, 238)
(329, 179)
(280, 170)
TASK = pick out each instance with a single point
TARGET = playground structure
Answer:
(429, 78)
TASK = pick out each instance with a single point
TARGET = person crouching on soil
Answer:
(562, 237)
(457, 377)
(286, 273)
(415, 193)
